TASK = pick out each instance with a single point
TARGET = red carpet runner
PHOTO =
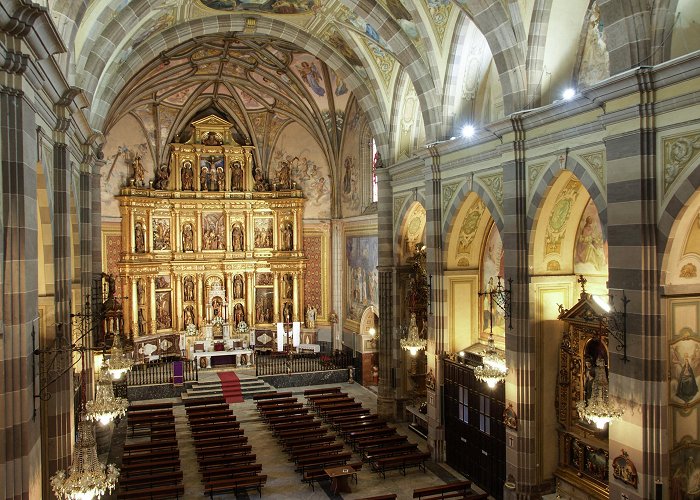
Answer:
(231, 387)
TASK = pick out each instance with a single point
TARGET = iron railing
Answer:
(161, 372)
(282, 363)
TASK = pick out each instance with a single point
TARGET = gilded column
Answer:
(177, 232)
(276, 300)
(201, 310)
(130, 236)
(152, 295)
(134, 303)
(228, 279)
(198, 239)
(297, 304)
(227, 226)
(178, 322)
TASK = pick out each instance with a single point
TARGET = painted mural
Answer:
(299, 153)
(125, 142)
(591, 248)
(492, 266)
(361, 278)
(685, 473)
(272, 6)
(685, 369)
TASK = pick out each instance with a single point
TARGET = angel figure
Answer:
(687, 387)
(310, 74)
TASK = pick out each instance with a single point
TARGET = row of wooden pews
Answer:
(303, 436)
(151, 461)
(372, 437)
(225, 458)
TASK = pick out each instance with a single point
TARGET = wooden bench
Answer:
(282, 406)
(310, 451)
(323, 390)
(458, 489)
(289, 426)
(285, 413)
(214, 442)
(215, 426)
(212, 413)
(331, 415)
(370, 442)
(322, 462)
(224, 450)
(293, 444)
(314, 476)
(156, 413)
(286, 419)
(340, 407)
(205, 410)
(366, 426)
(152, 428)
(158, 478)
(205, 401)
(139, 468)
(150, 455)
(235, 485)
(230, 460)
(224, 472)
(355, 436)
(302, 433)
(167, 491)
(389, 496)
(271, 395)
(339, 421)
(389, 451)
(330, 398)
(150, 445)
(401, 462)
(274, 402)
(220, 434)
(149, 406)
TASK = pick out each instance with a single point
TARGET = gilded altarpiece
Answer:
(209, 242)
(583, 448)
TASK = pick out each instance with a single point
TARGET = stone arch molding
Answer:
(546, 176)
(676, 203)
(457, 193)
(678, 266)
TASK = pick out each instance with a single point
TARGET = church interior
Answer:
(479, 218)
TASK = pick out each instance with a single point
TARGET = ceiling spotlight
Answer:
(468, 131)
(568, 94)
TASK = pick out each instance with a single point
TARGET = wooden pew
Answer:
(285, 419)
(148, 480)
(149, 406)
(291, 426)
(389, 451)
(283, 406)
(140, 468)
(224, 450)
(205, 401)
(233, 441)
(339, 407)
(339, 421)
(458, 489)
(224, 472)
(332, 414)
(275, 402)
(220, 434)
(215, 426)
(389, 496)
(401, 462)
(303, 433)
(305, 442)
(355, 436)
(235, 485)
(228, 460)
(371, 442)
(284, 413)
(312, 451)
(323, 390)
(322, 461)
(167, 491)
(347, 430)
(271, 395)
(205, 409)
(149, 445)
(150, 455)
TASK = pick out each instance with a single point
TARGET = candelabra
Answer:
(494, 368)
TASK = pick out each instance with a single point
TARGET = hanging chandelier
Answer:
(494, 369)
(105, 407)
(598, 409)
(119, 362)
(413, 343)
(87, 477)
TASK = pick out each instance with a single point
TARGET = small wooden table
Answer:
(339, 476)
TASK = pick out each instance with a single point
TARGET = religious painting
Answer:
(263, 233)
(162, 282)
(351, 187)
(163, 311)
(685, 471)
(624, 469)
(213, 232)
(237, 237)
(271, 6)
(211, 174)
(188, 289)
(264, 279)
(161, 234)
(685, 364)
(307, 166)
(596, 463)
(264, 305)
(492, 266)
(336, 40)
(361, 278)
(591, 248)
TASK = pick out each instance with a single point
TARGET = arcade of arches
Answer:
(346, 118)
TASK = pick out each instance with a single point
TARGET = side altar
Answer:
(211, 244)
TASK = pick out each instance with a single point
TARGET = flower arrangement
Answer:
(242, 327)
(191, 330)
(218, 320)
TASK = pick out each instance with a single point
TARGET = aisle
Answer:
(231, 387)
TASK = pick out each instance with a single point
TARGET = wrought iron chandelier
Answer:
(413, 342)
(119, 362)
(494, 368)
(599, 410)
(105, 407)
(87, 477)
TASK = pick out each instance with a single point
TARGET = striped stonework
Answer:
(521, 355)
(85, 231)
(96, 218)
(19, 430)
(634, 267)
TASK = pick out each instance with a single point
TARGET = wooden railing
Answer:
(282, 363)
(161, 372)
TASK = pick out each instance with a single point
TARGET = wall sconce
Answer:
(494, 368)
(615, 321)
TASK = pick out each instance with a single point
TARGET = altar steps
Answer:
(249, 387)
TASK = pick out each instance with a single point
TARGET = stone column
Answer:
(521, 356)
(388, 340)
(437, 339)
(85, 232)
(20, 459)
(97, 217)
(337, 258)
(635, 267)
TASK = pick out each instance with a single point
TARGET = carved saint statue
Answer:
(287, 236)
(287, 312)
(189, 289)
(139, 171)
(139, 238)
(211, 139)
(288, 286)
(238, 314)
(236, 176)
(237, 238)
(220, 179)
(238, 287)
(187, 238)
(189, 316)
(162, 176)
(187, 177)
(204, 179)
(310, 316)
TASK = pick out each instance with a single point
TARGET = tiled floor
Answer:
(283, 482)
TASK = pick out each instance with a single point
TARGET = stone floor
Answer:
(283, 482)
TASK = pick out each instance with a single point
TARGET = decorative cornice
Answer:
(14, 63)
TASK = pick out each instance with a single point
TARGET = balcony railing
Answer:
(282, 363)
(161, 372)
